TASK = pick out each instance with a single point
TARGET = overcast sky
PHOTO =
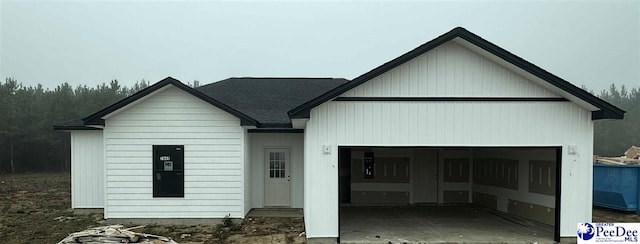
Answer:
(587, 43)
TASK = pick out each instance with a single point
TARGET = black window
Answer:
(168, 170)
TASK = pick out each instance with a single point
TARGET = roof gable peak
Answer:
(607, 110)
(97, 118)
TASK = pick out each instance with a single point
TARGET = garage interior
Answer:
(426, 194)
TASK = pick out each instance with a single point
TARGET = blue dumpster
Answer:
(616, 186)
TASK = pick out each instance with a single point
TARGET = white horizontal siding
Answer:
(213, 149)
(450, 70)
(221, 193)
(174, 129)
(157, 123)
(199, 154)
(167, 213)
(87, 169)
(131, 160)
(230, 173)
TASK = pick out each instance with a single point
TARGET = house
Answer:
(456, 120)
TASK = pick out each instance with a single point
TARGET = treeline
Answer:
(614, 137)
(27, 114)
(27, 141)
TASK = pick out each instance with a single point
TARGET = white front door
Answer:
(277, 184)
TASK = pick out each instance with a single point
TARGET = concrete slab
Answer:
(436, 224)
(276, 212)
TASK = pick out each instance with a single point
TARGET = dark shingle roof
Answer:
(268, 100)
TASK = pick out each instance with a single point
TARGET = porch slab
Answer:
(276, 212)
(436, 224)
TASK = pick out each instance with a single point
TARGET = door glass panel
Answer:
(276, 165)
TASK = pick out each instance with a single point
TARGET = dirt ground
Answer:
(607, 215)
(35, 208)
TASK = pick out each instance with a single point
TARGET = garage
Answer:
(445, 194)
(454, 132)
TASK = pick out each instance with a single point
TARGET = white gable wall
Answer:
(213, 165)
(449, 70)
(87, 169)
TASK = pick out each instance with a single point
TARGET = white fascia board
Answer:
(299, 123)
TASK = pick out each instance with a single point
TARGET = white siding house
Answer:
(214, 158)
(291, 142)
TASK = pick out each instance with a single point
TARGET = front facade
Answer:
(428, 127)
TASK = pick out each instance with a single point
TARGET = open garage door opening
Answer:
(427, 194)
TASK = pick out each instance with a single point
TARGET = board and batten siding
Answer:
(445, 124)
(87, 169)
(450, 70)
(213, 158)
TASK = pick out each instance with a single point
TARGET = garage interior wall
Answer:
(533, 194)
(519, 181)
(398, 173)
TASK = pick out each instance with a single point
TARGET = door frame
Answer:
(265, 172)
